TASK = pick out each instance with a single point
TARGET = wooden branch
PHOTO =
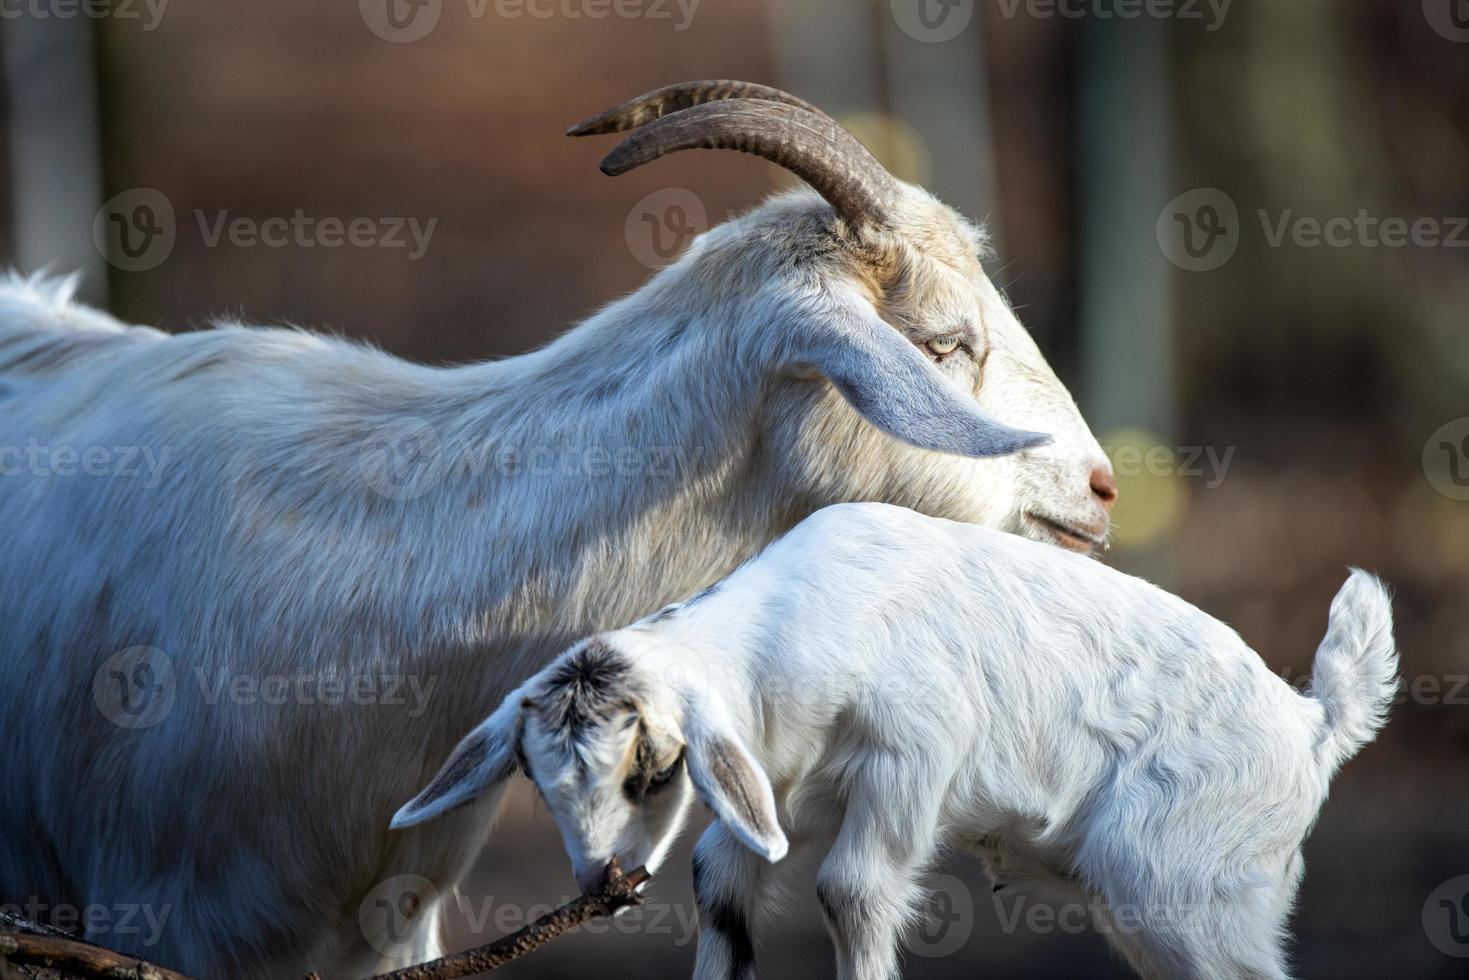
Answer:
(27, 944)
(79, 958)
(620, 891)
(10, 922)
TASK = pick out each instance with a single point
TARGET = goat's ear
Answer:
(896, 388)
(731, 782)
(481, 763)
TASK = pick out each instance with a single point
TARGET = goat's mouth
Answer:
(1069, 536)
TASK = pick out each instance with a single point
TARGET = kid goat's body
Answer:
(908, 683)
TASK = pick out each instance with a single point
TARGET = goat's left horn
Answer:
(675, 98)
(810, 145)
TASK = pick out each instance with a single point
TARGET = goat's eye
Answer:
(943, 346)
(664, 776)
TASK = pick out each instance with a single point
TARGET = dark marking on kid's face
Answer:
(586, 689)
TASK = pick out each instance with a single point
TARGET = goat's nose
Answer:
(1104, 485)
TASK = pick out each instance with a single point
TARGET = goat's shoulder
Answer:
(43, 329)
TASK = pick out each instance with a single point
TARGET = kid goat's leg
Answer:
(1176, 923)
(868, 884)
(729, 883)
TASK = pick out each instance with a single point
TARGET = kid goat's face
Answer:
(618, 752)
(618, 787)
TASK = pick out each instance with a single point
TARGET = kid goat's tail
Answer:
(1355, 675)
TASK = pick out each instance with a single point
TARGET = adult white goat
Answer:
(251, 538)
(897, 683)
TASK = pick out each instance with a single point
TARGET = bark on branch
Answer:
(73, 958)
(28, 946)
(620, 891)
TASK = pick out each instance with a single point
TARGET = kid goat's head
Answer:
(618, 753)
(875, 287)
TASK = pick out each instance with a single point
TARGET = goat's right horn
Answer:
(684, 95)
(809, 144)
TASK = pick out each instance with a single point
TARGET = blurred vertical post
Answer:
(1126, 330)
(916, 98)
(827, 53)
(53, 142)
(937, 87)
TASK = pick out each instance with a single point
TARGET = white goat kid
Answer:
(275, 506)
(901, 684)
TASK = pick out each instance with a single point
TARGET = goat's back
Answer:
(1063, 671)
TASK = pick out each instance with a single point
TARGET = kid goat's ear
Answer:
(895, 387)
(482, 762)
(731, 782)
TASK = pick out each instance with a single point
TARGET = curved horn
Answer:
(672, 98)
(810, 145)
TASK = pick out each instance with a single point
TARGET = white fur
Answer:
(273, 523)
(904, 683)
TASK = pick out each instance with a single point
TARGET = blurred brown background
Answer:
(1281, 402)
